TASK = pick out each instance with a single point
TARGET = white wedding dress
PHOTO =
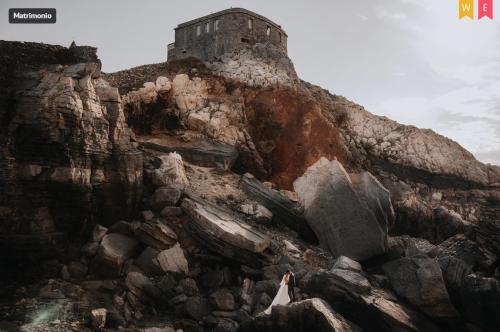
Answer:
(281, 297)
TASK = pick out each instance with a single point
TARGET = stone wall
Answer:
(213, 35)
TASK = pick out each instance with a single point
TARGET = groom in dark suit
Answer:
(291, 286)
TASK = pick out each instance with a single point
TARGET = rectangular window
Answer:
(268, 31)
(198, 30)
(216, 25)
(207, 27)
(250, 24)
(280, 36)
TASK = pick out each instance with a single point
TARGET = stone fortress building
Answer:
(228, 30)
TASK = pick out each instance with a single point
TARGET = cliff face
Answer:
(67, 159)
(192, 165)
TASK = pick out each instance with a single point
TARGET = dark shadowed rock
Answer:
(199, 152)
(405, 246)
(171, 211)
(481, 301)
(212, 278)
(197, 307)
(165, 196)
(226, 325)
(114, 250)
(77, 270)
(156, 234)
(474, 255)
(123, 227)
(89, 249)
(141, 286)
(308, 315)
(349, 220)
(373, 310)
(223, 300)
(448, 223)
(419, 280)
(145, 262)
(223, 232)
(283, 208)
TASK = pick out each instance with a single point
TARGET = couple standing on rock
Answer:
(286, 293)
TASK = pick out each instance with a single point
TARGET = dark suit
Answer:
(291, 285)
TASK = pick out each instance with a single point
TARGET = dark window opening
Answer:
(245, 40)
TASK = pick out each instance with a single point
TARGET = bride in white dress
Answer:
(281, 297)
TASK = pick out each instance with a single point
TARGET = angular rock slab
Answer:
(283, 208)
(201, 152)
(308, 315)
(349, 219)
(156, 234)
(419, 280)
(222, 231)
(173, 260)
(113, 251)
(367, 307)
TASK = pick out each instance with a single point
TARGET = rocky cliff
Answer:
(163, 197)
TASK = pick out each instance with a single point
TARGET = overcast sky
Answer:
(411, 60)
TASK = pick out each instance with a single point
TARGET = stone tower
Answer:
(226, 31)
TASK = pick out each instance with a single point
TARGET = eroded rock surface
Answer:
(349, 218)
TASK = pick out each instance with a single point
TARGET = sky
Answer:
(413, 61)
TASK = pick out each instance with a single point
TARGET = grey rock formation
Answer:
(380, 309)
(308, 315)
(222, 231)
(420, 281)
(284, 209)
(349, 220)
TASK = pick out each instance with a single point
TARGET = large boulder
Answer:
(419, 280)
(223, 232)
(170, 172)
(308, 315)
(349, 218)
(113, 251)
(448, 223)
